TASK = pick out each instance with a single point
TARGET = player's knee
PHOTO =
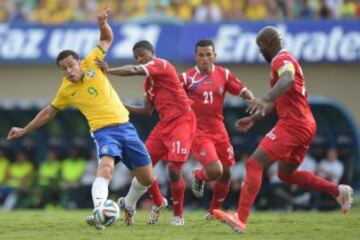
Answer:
(226, 175)
(148, 181)
(105, 170)
(214, 170)
(214, 173)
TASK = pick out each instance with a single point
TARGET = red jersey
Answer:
(292, 107)
(165, 90)
(208, 92)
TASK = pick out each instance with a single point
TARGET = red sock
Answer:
(310, 181)
(202, 175)
(250, 188)
(155, 193)
(177, 191)
(220, 191)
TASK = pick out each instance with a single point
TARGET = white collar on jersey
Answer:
(212, 68)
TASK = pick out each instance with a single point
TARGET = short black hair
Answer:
(205, 43)
(64, 54)
(144, 44)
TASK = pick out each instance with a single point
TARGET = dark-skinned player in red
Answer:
(290, 138)
(172, 137)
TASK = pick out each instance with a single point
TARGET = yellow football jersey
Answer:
(94, 96)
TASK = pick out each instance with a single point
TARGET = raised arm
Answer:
(44, 116)
(106, 34)
(128, 70)
(144, 110)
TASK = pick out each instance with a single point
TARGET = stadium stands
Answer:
(65, 11)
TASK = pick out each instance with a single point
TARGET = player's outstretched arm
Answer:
(144, 110)
(106, 34)
(44, 116)
(128, 70)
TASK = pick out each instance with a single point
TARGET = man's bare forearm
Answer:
(43, 117)
(281, 86)
(128, 70)
(106, 33)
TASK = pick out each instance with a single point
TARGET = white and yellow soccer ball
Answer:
(107, 213)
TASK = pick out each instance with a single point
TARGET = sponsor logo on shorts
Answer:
(104, 150)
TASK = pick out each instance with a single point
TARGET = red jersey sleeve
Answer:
(155, 67)
(233, 85)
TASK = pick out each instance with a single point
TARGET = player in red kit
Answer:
(290, 138)
(172, 137)
(206, 84)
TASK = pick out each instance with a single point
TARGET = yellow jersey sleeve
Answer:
(97, 52)
(60, 101)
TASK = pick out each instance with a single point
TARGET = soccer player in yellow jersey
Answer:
(86, 88)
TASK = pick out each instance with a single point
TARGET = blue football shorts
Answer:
(123, 143)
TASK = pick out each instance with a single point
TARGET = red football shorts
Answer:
(288, 143)
(209, 148)
(172, 141)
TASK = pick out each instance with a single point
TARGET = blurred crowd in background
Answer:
(64, 11)
(64, 179)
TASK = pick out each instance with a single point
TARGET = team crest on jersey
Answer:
(90, 73)
(221, 91)
(104, 150)
(202, 154)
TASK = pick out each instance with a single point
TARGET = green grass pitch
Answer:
(70, 225)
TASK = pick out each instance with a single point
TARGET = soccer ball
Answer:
(107, 213)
